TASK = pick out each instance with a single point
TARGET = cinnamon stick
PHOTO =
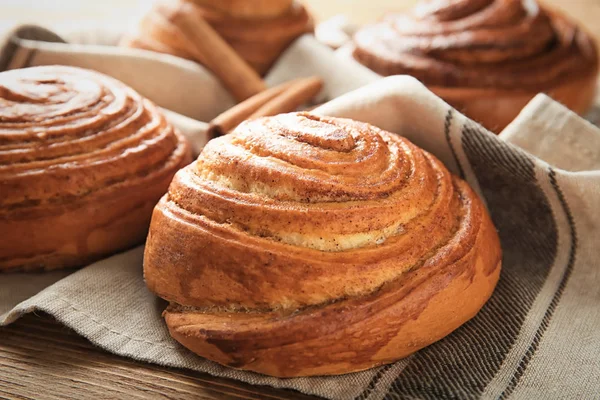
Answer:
(298, 94)
(208, 47)
(285, 97)
(231, 118)
(159, 33)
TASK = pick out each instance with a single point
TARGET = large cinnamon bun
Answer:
(259, 31)
(488, 58)
(304, 245)
(83, 161)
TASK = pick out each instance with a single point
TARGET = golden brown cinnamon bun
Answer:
(304, 245)
(83, 161)
(487, 58)
(259, 31)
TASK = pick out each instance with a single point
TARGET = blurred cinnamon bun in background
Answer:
(487, 58)
(258, 30)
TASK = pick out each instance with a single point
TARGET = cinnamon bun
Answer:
(487, 58)
(83, 161)
(303, 245)
(259, 31)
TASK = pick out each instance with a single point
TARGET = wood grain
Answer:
(41, 359)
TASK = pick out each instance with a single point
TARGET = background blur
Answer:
(121, 13)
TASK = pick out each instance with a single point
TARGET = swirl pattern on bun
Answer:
(259, 31)
(304, 245)
(463, 48)
(83, 160)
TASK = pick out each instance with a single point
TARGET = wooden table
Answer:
(40, 359)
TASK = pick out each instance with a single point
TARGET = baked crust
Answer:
(258, 31)
(487, 58)
(244, 9)
(302, 245)
(83, 161)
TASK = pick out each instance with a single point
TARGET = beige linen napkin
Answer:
(536, 337)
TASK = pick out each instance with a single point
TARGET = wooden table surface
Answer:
(40, 359)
